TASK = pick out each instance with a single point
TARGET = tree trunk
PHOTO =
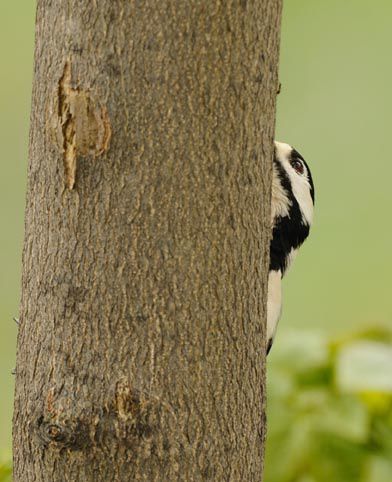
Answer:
(141, 350)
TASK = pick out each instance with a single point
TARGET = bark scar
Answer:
(80, 125)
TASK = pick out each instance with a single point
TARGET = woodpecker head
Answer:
(292, 205)
(292, 183)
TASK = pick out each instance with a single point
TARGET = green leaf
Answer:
(365, 366)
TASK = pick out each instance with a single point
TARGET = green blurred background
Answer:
(334, 106)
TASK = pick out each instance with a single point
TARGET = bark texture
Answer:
(141, 346)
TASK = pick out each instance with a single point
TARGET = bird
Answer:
(292, 206)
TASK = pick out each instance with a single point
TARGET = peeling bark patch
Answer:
(80, 125)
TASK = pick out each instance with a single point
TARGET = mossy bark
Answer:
(141, 350)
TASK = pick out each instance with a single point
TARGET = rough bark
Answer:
(141, 346)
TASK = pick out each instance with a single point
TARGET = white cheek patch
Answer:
(301, 191)
(299, 183)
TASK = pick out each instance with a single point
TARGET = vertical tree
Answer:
(141, 344)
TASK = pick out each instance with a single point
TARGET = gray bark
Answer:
(141, 350)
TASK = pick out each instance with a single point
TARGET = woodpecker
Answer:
(292, 204)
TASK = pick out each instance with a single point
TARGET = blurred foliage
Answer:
(330, 408)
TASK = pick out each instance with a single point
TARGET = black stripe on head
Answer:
(296, 155)
(283, 177)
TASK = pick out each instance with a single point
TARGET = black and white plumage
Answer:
(291, 217)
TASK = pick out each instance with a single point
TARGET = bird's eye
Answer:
(297, 166)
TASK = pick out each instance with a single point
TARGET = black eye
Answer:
(297, 166)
